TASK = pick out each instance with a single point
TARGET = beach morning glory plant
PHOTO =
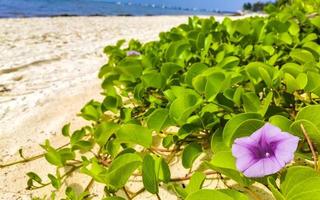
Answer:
(187, 96)
(264, 152)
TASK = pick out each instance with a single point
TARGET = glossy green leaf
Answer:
(196, 182)
(195, 70)
(206, 194)
(162, 170)
(149, 175)
(135, 134)
(55, 182)
(114, 198)
(316, 21)
(282, 122)
(190, 153)
(129, 69)
(225, 163)
(183, 106)
(302, 56)
(154, 80)
(125, 165)
(159, 119)
(272, 185)
(300, 182)
(66, 130)
(104, 131)
(235, 124)
(251, 102)
(215, 83)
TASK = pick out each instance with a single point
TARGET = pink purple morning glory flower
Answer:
(133, 53)
(264, 152)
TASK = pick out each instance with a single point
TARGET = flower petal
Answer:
(244, 162)
(285, 149)
(242, 146)
(263, 167)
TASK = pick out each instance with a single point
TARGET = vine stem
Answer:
(253, 194)
(314, 154)
(137, 193)
(22, 161)
(126, 192)
(90, 184)
(28, 159)
(178, 179)
(158, 197)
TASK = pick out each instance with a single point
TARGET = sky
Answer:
(223, 5)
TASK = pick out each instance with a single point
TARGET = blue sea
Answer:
(45, 8)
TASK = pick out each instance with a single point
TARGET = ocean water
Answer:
(45, 8)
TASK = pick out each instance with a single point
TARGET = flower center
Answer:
(267, 154)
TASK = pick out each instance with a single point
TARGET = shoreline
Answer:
(220, 14)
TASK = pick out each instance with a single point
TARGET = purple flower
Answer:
(264, 152)
(133, 53)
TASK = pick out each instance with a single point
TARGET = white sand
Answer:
(48, 71)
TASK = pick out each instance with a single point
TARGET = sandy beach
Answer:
(48, 71)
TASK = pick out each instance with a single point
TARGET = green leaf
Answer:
(199, 83)
(251, 102)
(168, 69)
(286, 38)
(91, 111)
(162, 170)
(77, 136)
(104, 131)
(225, 163)
(313, 84)
(57, 157)
(308, 116)
(129, 69)
(235, 194)
(242, 26)
(149, 175)
(154, 80)
(300, 182)
(237, 124)
(292, 68)
(194, 70)
(95, 170)
(190, 153)
(215, 83)
(217, 144)
(183, 107)
(135, 134)
(294, 28)
(34, 177)
(66, 130)
(316, 21)
(206, 194)
(310, 37)
(266, 103)
(55, 182)
(274, 189)
(229, 62)
(196, 182)
(159, 119)
(291, 83)
(112, 103)
(114, 198)
(302, 56)
(125, 165)
(282, 122)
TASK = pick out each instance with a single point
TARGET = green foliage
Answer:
(298, 182)
(202, 85)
